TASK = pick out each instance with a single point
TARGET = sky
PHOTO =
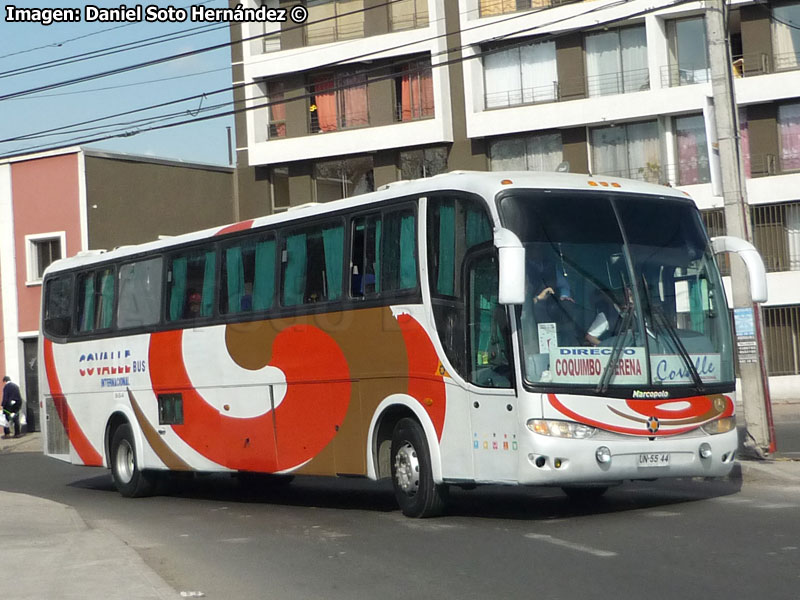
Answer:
(27, 47)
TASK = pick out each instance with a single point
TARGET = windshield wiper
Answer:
(657, 313)
(620, 334)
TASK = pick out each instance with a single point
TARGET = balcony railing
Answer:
(491, 8)
(677, 75)
(520, 96)
(782, 338)
(607, 84)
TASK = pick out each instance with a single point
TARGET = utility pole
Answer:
(747, 316)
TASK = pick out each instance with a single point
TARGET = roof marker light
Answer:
(593, 183)
(616, 185)
(604, 183)
(506, 182)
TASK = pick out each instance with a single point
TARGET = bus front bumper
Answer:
(548, 460)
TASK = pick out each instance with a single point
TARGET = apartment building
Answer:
(371, 91)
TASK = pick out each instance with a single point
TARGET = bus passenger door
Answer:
(493, 403)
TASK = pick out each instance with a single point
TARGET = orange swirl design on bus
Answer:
(672, 421)
(316, 401)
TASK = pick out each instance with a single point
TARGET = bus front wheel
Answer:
(412, 476)
(129, 479)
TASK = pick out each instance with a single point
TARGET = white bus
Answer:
(507, 328)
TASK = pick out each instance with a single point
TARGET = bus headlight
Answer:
(722, 425)
(563, 429)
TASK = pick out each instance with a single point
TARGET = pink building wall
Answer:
(46, 198)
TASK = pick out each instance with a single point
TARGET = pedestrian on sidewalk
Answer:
(12, 404)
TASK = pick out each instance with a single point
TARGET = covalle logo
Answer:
(112, 367)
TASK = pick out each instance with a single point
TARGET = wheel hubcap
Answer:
(406, 469)
(125, 461)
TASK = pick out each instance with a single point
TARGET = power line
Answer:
(373, 80)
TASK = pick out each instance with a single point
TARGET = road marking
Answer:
(661, 513)
(570, 545)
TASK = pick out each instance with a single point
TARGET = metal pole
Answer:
(754, 383)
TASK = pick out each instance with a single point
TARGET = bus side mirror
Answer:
(511, 256)
(752, 260)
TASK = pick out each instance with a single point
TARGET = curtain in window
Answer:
(447, 245)
(351, 22)
(234, 271)
(785, 24)
(635, 76)
(277, 112)
(744, 136)
(544, 151)
(106, 300)
(416, 92)
(264, 283)
(408, 263)
(87, 318)
(354, 100)
(207, 306)
(378, 258)
(609, 154)
(497, 7)
(294, 284)
(643, 150)
(325, 102)
(177, 297)
(478, 228)
(502, 78)
(333, 241)
(692, 151)
(539, 73)
(789, 131)
(508, 155)
(603, 68)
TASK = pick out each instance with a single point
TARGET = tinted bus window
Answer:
(248, 276)
(95, 300)
(139, 294)
(190, 285)
(57, 309)
(384, 254)
(312, 265)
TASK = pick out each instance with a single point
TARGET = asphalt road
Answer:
(344, 539)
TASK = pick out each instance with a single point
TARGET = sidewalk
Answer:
(69, 559)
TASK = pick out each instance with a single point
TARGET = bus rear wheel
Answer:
(412, 475)
(129, 479)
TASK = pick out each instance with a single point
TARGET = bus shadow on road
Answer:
(492, 501)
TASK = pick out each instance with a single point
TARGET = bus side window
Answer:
(95, 300)
(399, 251)
(365, 256)
(313, 259)
(247, 282)
(190, 285)
(57, 300)
(455, 225)
(139, 294)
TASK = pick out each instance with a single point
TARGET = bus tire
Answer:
(129, 479)
(412, 476)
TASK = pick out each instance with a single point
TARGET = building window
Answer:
(270, 31)
(414, 91)
(339, 101)
(630, 150)
(490, 8)
(521, 75)
(782, 337)
(426, 162)
(688, 52)
(789, 134)
(279, 180)
(690, 133)
(343, 178)
(785, 24)
(776, 235)
(276, 109)
(334, 20)
(43, 249)
(408, 14)
(616, 61)
(542, 152)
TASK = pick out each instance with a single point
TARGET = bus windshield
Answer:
(621, 291)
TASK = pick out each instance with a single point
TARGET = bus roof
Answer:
(485, 183)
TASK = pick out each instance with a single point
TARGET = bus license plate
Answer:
(654, 459)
